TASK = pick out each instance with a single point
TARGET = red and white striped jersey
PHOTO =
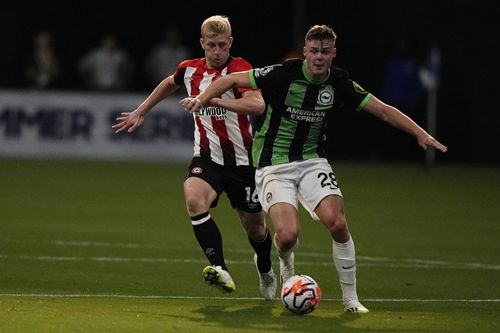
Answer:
(223, 136)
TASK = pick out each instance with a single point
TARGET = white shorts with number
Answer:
(307, 181)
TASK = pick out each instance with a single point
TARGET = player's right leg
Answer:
(286, 259)
(219, 278)
(286, 226)
(277, 192)
(200, 195)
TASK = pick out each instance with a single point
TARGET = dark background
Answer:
(467, 33)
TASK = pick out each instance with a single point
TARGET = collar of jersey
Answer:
(308, 76)
(215, 70)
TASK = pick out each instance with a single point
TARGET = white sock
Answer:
(344, 257)
(284, 254)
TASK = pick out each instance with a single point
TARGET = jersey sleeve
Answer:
(179, 73)
(240, 65)
(264, 77)
(355, 96)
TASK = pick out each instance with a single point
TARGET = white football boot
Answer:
(354, 306)
(287, 268)
(267, 282)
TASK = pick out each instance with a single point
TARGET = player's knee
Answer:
(287, 239)
(257, 233)
(254, 225)
(196, 204)
(337, 225)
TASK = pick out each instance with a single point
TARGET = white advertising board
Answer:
(58, 124)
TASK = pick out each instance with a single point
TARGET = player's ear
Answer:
(334, 52)
(201, 43)
(230, 41)
(304, 51)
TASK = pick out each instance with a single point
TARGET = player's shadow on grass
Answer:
(270, 317)
(262, 316)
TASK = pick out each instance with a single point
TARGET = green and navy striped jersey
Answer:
(292, 127)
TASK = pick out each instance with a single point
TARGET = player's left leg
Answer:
(276, 186)
(321, 196)
(331, 213)
(258, 236)
(239, 184)
(260, 239)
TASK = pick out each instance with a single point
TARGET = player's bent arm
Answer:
(251, 103)
(218, 87)
(401, 121)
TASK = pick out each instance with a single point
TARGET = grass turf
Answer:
(114, 242)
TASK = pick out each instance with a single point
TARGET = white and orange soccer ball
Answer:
(301, 294)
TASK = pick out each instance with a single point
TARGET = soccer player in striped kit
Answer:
(222, 159)
(291, 164)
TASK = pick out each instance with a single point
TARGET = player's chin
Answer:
(320, 70)
(219, 62)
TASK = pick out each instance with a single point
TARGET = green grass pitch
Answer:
(107, 247)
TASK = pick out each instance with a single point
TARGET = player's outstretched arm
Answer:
(429, 141)
(215, 89)
(130, 121)
(399, 120)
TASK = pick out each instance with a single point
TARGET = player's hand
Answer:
(128, 121)
(428, 141)
(191, 104)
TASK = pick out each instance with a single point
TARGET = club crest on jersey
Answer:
(196, 170)
(325, 97)
(260, 72)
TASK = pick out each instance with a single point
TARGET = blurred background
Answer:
(67, 70)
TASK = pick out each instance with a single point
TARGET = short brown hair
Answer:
(320, 32)
(215, 25)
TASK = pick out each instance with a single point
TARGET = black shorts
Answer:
(237, 181)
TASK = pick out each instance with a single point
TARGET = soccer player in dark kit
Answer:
(287, 148)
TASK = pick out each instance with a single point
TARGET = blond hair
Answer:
(215, 25)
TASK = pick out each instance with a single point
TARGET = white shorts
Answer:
(307, 181)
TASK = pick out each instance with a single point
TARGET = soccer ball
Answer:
(300, 294)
